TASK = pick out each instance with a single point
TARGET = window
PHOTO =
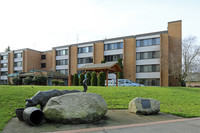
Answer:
(148, 42)
(61, 62)
(63, 71)
(18, 64)
(85, 49)
(62, 52)
(113, 46)
(4, 65)
(4, 57)
(18, 55)
(110, 58)
(85, 60)
(43, 57)
(43, 65)
(147, 68)
(4, 73)
(148, 55)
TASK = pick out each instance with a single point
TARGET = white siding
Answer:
(147, 37)
(17, 59)
(113, 41)
(113, 52)
(61, 57)
(61, 48)
(85, 45)
(82, 55)
(62, 67)
(17, 68)
(4, 61)
(4, 69)
(148, 48)
(147, 61)
(148, 75)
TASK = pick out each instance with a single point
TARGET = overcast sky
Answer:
(43, 24)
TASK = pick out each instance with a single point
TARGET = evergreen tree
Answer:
(75, 79)
(88, 76)
(94, 79)
(7, 49)
(81, 78)
(101, 79)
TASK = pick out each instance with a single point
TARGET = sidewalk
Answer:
(114, 121)
(171, 126)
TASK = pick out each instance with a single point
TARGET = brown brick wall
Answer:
(164, 50)
(129, 59)
(73, 56)
(98, 52)
(175, 46)
(53, 59)
(31, 60)
(48, 60)
(11, 63)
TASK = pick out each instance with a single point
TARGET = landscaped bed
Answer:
(182, 101)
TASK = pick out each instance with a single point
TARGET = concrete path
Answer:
(114, 121)
(171, 126)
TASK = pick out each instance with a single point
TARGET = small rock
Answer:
(81, 107)
(144, 106)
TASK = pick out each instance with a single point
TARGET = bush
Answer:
(55, 82)
(28, 81)
(40, 80)
(81, 78)
(61, 83)
(101, 79)
(17, 81)
(120, 74)
(88, 76)
(103, 61)
(94, 79)
(75, 79)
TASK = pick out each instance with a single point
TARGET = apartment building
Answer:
(145, 56)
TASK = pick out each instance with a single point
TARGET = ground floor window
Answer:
(149, 82)
(3, 82)
(63, 71)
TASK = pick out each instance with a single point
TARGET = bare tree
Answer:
(190, 59)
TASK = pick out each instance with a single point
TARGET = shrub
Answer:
(103, 61)
(101, 79)
(75, 79)
(61, 83)
(17, 81)
(120, 74)
(94, 79)
(55, 82)
(81, 78)
(40, 80)
(28, 81)
(88, 76)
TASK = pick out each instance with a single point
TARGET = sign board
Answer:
(145, 103)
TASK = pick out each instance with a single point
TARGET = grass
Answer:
(179, 101)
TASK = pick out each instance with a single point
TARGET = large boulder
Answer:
(81, 107)
(144, 106)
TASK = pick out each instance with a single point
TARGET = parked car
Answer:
(123, 82)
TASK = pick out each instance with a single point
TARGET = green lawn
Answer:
(174, 100)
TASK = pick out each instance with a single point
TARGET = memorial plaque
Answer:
(145, 103)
